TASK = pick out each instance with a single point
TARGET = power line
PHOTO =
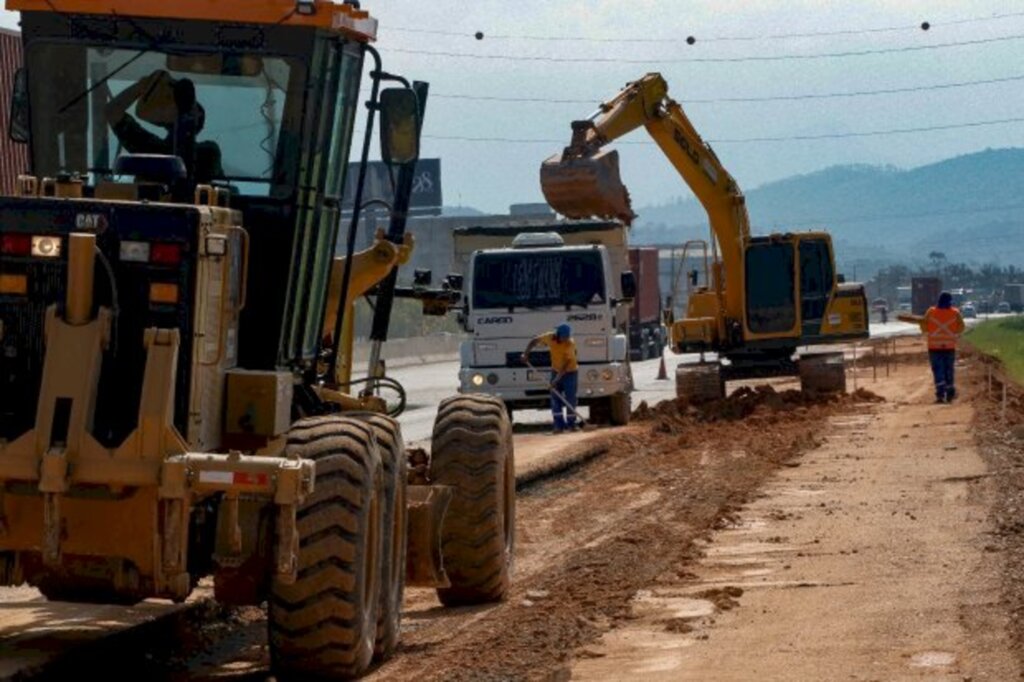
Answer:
(771, 98)
(707, 60)
(709, 39)
(790, 138)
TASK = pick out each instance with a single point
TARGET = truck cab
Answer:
(513, 294)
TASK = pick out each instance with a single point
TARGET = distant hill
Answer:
(460, 211)
(971, 207)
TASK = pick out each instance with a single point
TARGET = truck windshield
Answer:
(90, 104)
(538, 280)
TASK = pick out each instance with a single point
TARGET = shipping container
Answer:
(924, 293)
(646, 333)
(1014, 295)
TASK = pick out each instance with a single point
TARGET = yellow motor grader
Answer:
(176, 392)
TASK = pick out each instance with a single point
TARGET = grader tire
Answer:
(396, 524)
(700, 383)
(822, 373)
(619, 409)
(472, 452)
(324, 625)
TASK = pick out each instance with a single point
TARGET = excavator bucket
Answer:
(586, 187)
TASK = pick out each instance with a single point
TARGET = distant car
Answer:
(968, 311)
(1003, 307)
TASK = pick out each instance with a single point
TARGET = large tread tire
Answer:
(822, 373)
(324, 625)
(396, 526)
(700, 383)
(620, 409)
(472, 452)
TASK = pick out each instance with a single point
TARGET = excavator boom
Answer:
(583, 181)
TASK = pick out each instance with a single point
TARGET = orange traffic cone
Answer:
(662, 373)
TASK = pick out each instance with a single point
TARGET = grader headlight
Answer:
(44, 246)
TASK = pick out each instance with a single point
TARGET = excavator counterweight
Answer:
(586, 186)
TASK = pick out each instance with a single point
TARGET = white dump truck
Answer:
(520, 283)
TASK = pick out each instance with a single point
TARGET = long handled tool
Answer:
(558, 394)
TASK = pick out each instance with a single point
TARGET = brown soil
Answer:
(1001, 443)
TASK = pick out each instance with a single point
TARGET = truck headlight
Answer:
(593, 375)
(608, 375)
(478, 380)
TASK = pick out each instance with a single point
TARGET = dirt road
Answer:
(867, 562)
(769, 537)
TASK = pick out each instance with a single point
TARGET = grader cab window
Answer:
(227, 118)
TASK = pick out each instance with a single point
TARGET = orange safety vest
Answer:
(944, 326)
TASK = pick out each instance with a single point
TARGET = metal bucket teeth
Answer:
(586, 187)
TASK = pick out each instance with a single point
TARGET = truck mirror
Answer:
(454, 281)
(399, 126)
(841, 278)
(422, 277)
(19, 124)
(628, 286)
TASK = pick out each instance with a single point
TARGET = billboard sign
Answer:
(426, 186)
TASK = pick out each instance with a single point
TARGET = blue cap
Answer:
(563, 331)
(945, 300)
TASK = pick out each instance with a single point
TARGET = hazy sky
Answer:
(491, 175)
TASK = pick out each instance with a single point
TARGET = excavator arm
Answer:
(583, 181)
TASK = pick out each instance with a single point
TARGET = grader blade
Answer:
(587, 186)
(426, 506)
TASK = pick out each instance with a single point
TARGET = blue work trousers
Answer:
(567, 386)
(942, 362)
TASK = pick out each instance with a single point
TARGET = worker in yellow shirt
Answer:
(564, 373)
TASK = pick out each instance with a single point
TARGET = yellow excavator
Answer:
(762, 297)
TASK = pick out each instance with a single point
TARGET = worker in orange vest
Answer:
(943, 325)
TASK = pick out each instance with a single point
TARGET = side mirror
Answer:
(841, 278)
(399, 126)
(454, 281)
(19, 123)
(628, 286)
(422, 277)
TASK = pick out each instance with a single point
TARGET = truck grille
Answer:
(541, 358)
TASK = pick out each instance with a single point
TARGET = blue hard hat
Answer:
(563, 331)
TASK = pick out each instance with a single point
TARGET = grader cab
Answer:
(167, 283)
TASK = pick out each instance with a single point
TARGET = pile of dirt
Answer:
(671, 416)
